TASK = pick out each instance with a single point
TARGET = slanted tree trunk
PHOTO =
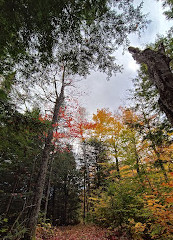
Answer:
(159, 73)
(48, 190)
(38, 193)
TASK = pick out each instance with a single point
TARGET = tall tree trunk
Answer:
(29, 198)
(153, 146)
(84, 196)
(160, 75)
(11, 197)
(136, 155)
(33, 214)
(87, 178)
(65, 202)
(98, 178)
(117, 162)
(48, 190)
(54, 205)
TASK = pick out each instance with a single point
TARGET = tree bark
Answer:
(117, 162)
(153, 146)
(48, 191)
(160, 75)
(33, 214)
(11, 197)
(87, 177)
(84, 197)
(136, 155)
(65, 202)
(54, 209)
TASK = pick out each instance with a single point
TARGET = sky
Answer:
(99, 93)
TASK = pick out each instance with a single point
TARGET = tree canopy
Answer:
(81, 34)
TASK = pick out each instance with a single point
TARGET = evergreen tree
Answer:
(64, 203)
(19, 159)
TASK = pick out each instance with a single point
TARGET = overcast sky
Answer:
(101, 93)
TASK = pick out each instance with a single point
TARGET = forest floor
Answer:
(80, 232)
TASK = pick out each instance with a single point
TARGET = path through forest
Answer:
(79, 232)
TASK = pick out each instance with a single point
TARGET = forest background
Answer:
(120, 176)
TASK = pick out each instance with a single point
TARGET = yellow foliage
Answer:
(140, 227)
(137, 229)
(94, 199)
(162, 215)
(125, 167)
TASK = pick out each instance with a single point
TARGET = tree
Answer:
(64, 201)
(138, 201)
(33, 32)
(19, 159)
(158, 66)
(94, 159)
(107, 128)
(72, 43)
(168, 13)
(155, 127)
(34, 211)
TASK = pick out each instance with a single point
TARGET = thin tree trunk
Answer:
(32, 173)
(65, 202)
(117, 162)
(87, 178)
(11, 197)
(98, 180)
(153, 146)
(84, 198)
(48, 191)
(136, 156)
(54, 206)
(33, 214)
(160, 163)
(30, 195)
(143, 169)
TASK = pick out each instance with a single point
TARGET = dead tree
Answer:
(160, 75)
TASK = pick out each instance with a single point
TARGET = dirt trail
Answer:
(80, 232)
